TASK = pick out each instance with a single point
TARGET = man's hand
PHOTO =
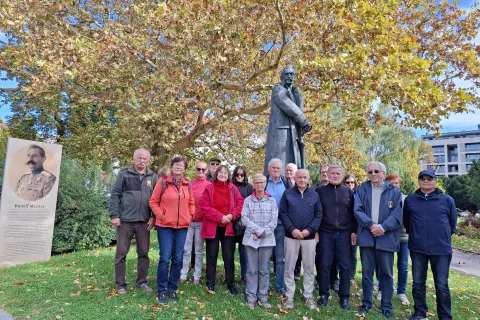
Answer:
(115, 222)
(150, 223)
(317, 237)
(306, 129)
(354, 239)
(254, 237)
(376, 230)
(297, 234)
(305, 233)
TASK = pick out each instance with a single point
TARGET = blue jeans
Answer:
(440, 265)
(402, 267)
(171, 243)
(370, 258)
(334, 247)
(279, 251)
(243, 258)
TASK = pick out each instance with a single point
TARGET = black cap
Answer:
(429, 173)
(215, 159)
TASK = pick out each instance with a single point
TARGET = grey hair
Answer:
(336, 166)
(275, 160)
(141, 150)
(379, 164)
(292, 165)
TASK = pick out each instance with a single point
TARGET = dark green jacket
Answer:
(131, 194)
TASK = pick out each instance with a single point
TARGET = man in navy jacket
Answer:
(430, 218)
(301, 214)
(379, 215)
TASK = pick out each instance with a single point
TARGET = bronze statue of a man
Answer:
(287, 123)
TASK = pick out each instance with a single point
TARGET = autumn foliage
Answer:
(108, 77)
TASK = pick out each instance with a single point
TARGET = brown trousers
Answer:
(125, 233)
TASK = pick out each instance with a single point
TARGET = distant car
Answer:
(463, 213)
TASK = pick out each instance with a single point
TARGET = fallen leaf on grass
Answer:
(89, 287)
(202, 305)
(21, 282)
(67, 265)
(62, 310)
(279, 306)
(193, 313)
(194, 298)
(77, 281)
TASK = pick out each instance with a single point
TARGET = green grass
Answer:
(79, 286)
(466, 243)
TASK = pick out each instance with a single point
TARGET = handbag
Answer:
(238, 227)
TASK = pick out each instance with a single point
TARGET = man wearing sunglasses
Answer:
(212, 167)
(194, 241)
(379, 215)
(430, 218)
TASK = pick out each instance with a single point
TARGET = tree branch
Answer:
(280, 53)
(206, 126)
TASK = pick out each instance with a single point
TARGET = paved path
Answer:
(466, 263)
(4, 315)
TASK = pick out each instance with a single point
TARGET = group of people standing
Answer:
(281, 218)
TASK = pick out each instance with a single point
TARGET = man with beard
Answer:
(37, 183)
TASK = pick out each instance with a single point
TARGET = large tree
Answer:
(105, 77)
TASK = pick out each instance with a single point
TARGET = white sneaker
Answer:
(403, 298)
(379, 296)
(311, 304)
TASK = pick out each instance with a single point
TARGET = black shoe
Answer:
(345, 304)
(232, 290)
(322, 301)
(387, 313)
(296, 276)
(162, 297)
(210, 287)
(243, 281)
(363, 310)
(173, 296)
(417, 317)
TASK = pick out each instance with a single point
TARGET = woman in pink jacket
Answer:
(221, 204)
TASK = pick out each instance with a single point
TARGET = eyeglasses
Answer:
(239, 175)
(201, 169)
(349, 182)
(214, 163)
(426, 178)
(374, 171)
(179, 165)
(324, 172)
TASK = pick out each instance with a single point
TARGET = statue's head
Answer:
(287, 76)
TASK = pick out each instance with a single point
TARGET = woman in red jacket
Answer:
(221, 203)
(173, 204)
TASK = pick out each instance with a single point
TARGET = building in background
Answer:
(453, 152)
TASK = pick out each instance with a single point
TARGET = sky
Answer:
(455, 122)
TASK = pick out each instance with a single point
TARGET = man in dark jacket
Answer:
(130, 213)
(337, 231)
(301, 214)
(276, 186)
(430, 218)
(379, 215)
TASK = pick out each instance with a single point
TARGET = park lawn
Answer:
(81, 285)
(463, 242)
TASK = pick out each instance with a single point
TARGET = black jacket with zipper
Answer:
(337, 207)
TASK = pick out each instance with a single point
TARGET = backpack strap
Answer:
(164, 186)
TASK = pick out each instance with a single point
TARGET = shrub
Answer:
(81, 220)
(470, 227)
